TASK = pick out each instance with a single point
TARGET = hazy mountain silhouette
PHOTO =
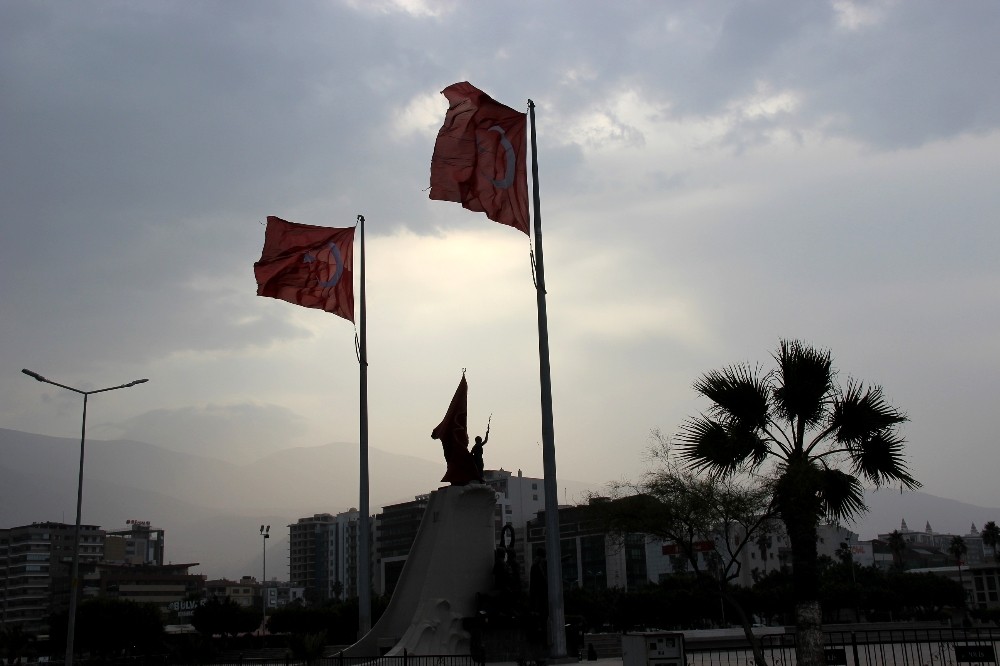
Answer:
(888, 508)
(212, 510)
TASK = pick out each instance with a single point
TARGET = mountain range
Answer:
(211, 509)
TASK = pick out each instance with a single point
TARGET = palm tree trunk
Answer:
(809, 634)
(805, 578)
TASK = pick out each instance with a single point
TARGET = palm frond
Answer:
(880, 460)
(841, 494)
(709, 445)
(859, 414)
(739, 395)
(805, 377)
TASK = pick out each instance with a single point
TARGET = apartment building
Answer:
(35, 565)
(160, 584)
(591, 557)
(323, 555)
(138, 543)
(768, 551)
(246, 591)
(518, 498)
(927, 548)
(395, 531)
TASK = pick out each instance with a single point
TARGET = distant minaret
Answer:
(903, 527)
(927, 528)
(974, 531)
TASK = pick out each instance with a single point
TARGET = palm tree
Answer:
(958, 549)
(844, 554)
(897, 544)
(797, 425)
(991, 537)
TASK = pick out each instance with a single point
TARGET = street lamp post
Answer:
(75, 571)
(265, 531)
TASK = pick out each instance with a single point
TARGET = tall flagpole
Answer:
(364, 526)
(557, 616)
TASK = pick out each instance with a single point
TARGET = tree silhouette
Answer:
(14, 643)
(991, 537)
(710, 520)
(797, 426)
(897, 545)
(844, 553)
(958, 549)
(108, 626)
(225, 617)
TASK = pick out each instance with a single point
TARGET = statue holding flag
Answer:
(477, 451)
(454, 437)
(471, 165)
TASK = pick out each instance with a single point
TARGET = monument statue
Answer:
(453, 434)
(477, 451)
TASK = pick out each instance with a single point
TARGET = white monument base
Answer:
(450, 561)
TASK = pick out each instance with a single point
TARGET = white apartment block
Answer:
(763, 554)
(323, 554)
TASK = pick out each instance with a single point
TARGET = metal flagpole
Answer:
(553, 554)
(364, 527)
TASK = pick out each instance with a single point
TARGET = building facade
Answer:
(767, 552)
(137, 543)
(395, 531)
(518, 499)
(158, 584)
(323, 555)
(246, 591)
(35, 564)
(592, 558)
(927, 548)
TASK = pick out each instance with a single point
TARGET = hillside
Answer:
(211, 509)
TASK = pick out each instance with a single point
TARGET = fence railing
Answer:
(902, 647)
(341, 660)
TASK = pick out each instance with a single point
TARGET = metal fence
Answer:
(340, 660)
(902, 647)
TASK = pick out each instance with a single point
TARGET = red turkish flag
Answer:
(479, 157)
(454, 435)
(309, 266)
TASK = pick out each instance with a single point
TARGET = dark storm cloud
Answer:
(743, 170)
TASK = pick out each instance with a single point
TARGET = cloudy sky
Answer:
(714, 176)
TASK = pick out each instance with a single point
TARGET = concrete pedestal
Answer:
(450, 561)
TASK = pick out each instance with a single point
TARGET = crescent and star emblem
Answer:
(338, 260)
(509, 159)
